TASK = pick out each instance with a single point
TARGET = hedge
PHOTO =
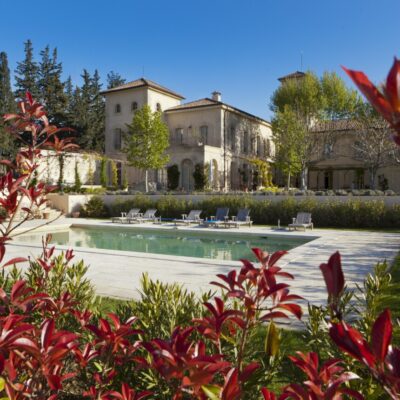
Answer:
(333, 214)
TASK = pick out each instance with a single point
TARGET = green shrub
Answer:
(173, 177)
(78, 182)
(95, 208)
(114, 174)
(170, 304)
(200, 177)
(103, 172)
(327, 214)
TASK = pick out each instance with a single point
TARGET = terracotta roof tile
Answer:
(296, 74)
(206, 102)
(140, 83)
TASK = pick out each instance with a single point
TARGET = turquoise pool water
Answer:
(178, 243)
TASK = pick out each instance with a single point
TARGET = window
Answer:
(358, 150)
(204, 134)
(117, 138)
(267, 148)
(259, 152)
(328, 149)
(117, 108)
(253, 145)
(179, 135)
(158, 107)
(232, 138)
(245, 143)
(134, 106)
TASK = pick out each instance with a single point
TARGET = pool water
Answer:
(177, 243)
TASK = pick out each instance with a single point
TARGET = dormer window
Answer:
(158, 107)
(134, 106)
(117, 108)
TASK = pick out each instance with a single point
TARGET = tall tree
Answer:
(303, 97)
(288, 136)
(7, 105)
(88, 112)
(69, 95)
(373, 144)
(311, 102)
(146, 141)
(51, 87)
(26, 74)
(114, 79)
(97, 115)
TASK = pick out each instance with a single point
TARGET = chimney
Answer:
(216, 96)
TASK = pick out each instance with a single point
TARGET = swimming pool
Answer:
(172, 242)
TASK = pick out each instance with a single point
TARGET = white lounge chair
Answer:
(187, 219)
(148, 216)
(303, 220)
(242, 218)
(220, 217)
(134, 212)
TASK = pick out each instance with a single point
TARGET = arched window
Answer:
(134, 106)
(117, 108)
(158, 107)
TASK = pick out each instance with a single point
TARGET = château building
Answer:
(205, 132)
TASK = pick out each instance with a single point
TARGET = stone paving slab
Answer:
(117, 273)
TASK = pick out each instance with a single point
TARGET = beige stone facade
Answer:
(207, 132)
(336, 165)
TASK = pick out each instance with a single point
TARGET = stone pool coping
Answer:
(117, 273)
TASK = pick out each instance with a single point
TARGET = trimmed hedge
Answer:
(333, 214)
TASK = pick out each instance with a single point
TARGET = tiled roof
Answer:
(336, 125)
(195, 104)
(140, 83)
(207, 102)
(297, 74)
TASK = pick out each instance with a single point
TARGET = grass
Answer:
(110, 304)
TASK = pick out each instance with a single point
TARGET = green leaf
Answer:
(272, 340)
(212, 391)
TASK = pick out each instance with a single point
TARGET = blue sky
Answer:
(239, 47)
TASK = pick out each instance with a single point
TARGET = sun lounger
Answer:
(187, 219)
(134, 212)
(148, 216)
(219, 219)
(242, 218)
(303, 220)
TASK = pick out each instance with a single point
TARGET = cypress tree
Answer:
(26, 74)
(89, 111)
(51, 87)
(7, 105)
(114, 79)
(97, 115)
(69, 96)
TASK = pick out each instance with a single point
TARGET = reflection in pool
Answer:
(178, 243)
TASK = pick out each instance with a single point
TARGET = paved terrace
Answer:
(117, 273)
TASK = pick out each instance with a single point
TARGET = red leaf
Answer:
(267, 394)
(333, 275)
(392, 86)
(369, 90)
(15, 260)
(381, 335)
